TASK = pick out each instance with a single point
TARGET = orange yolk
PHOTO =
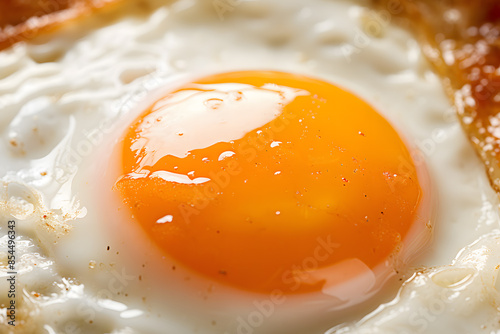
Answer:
(268, 180)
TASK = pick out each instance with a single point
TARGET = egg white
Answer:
(64, 102)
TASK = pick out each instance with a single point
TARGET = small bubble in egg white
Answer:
(374, 24)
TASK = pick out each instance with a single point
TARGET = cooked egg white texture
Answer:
(86, 267)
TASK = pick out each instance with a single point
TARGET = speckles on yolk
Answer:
(243, 176)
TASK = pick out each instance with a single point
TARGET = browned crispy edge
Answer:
(47, 16)
(461, 39)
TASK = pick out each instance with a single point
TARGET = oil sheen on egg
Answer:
(275, 183)
(107, 145)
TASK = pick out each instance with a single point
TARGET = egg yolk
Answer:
(267, 180)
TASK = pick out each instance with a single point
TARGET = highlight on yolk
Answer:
(267, 180)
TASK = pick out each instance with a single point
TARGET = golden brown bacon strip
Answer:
(25, 19)
(461, 38)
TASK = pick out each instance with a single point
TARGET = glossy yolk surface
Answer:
(265, 180)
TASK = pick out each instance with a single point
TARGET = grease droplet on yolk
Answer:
(268, 180)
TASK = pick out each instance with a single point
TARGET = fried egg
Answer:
(241, 167)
